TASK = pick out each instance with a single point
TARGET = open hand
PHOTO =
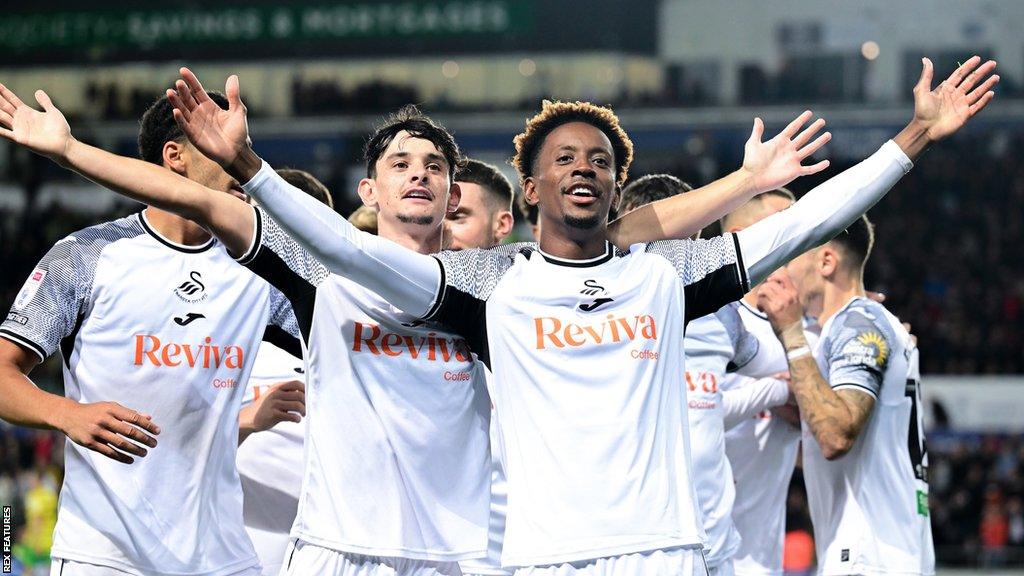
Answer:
(219, 134)
(110, 429)
(46, 133)
(946, 108)
(778, 161)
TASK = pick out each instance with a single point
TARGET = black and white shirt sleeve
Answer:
(711, 269)
(293, 273)
(468, 279)
(49, 306)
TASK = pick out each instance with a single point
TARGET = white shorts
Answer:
(305, 559)
(670, 562)
(62, 567)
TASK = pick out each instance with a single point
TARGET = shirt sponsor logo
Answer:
(28, 291)
(868, 348)
(150, 350)
(193, 289)
(551, 332)
(431, 347)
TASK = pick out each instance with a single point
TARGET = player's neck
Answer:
(581, 245)
(175, 228)
(422, 239)
(837, 295)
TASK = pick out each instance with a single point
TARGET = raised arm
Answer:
(409, 280)
(766, 166)
(47, 133)
(830, 208)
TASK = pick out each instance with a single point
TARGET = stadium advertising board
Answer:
(219, 31)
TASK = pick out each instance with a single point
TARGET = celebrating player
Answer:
(141, 311)
(409, 163)
(859, 398)
(544, 318)
(484, 216)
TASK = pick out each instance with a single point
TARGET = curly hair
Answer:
(554, 114)
(417, 124)
(158, 127)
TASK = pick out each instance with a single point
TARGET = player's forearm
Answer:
(822, 213)
(22, 403)
(141, 181)
(407, 279)
(746, 401)
(827, 415)
(225, 216)
(683, 215)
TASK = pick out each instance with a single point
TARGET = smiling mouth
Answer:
(418, 194)
(582, 194)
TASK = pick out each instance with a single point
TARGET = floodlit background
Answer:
(685, 76)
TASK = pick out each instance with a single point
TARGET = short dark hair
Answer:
(158, 127)
(307, 183)
(857, 241)
(650, 188)
(554, 114)
(419, 125)
(490, 179)
(780, 192)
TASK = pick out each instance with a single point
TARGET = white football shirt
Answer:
(152, 325)
(762, 452)
(715, 344)
(270, 462)
(396, 458)
(870, 506)
(589, 388)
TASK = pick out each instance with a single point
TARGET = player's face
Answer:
(412, 183)
(472, 225)
(210, 174)
(803, 270)
(575, 178)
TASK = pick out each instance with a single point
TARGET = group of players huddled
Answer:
(254, 385)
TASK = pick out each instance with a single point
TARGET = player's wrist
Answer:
(244, 166)
(792, 336)
(59, 414)
(64, 157)
(914, 138)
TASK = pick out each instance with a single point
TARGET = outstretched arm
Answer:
(830, 208)
(409, 280)
(766, 166)
(47, 133)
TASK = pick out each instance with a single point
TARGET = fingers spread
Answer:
(815, 168)
(809, 132)
(985, 87)
(963, 70)
(179, 105)
(796, 124)
(973, 78)
(197, 90)
(10, 96)
(980, 104)
(187, 95)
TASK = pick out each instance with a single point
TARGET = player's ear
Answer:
(174, 157)
(530, 191)
(503, 225)
(828, 260)
(454, 197)
(367, 191)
